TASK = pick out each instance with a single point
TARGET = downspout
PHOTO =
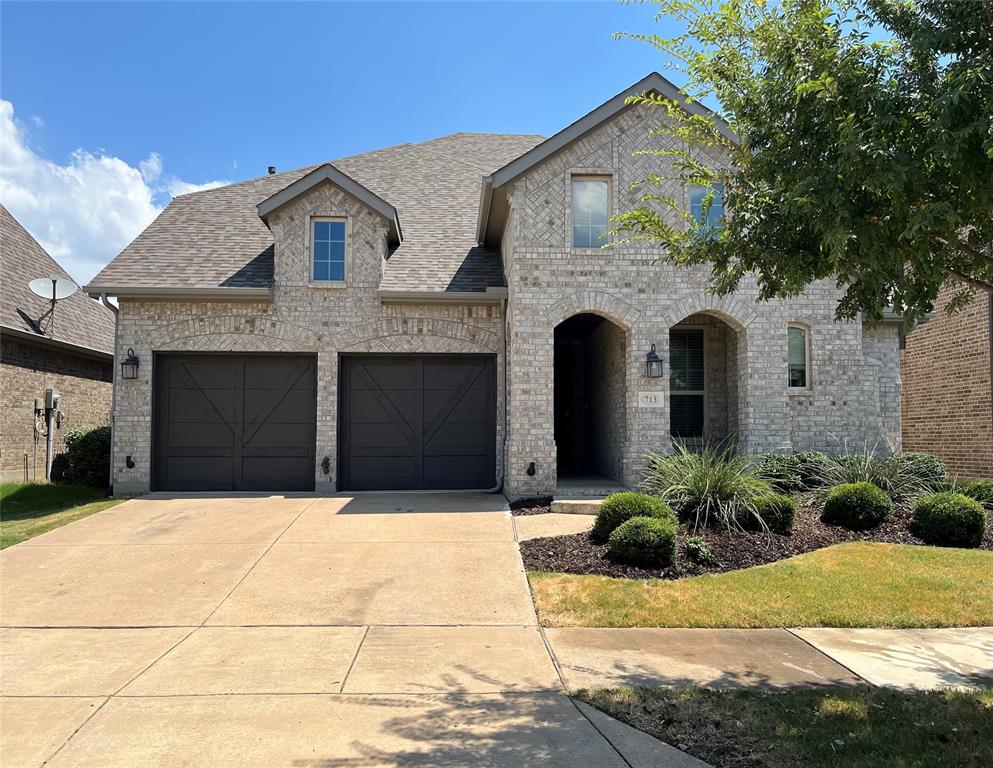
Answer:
(506, 362)
(113, 392)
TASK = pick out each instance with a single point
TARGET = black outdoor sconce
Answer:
(129, 367)
(653, 364)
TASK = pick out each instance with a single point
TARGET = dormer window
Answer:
(328, 249)
(590, 211)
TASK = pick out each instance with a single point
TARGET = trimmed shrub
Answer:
(856, 506)
(980, 490)
(949, 519)
(647, 541)
(778, 512)
(88, 455)
(618, 508)
(926, 467)
(697, 550)
(716, 487)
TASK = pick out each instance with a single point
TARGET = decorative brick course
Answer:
(947, 396)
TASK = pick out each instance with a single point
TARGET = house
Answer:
(441, 315)
(71, 353)
(947, 370)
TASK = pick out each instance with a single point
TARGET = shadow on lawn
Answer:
(28, 501)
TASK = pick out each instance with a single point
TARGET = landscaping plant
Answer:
(698, 551)
(980, 490)
(792, 473)
(648, 541)
(926, 467)
(949, 519)
(856, 506)
(88, 456)
(715, 487)
(778, 512)
(618, 508)
(901, 480)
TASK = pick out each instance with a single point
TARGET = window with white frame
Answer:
(328, 250)
(709, 216)
(590, 211)
(687, 387)
(798, 351)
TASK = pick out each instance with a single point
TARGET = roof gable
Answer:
(328, 172)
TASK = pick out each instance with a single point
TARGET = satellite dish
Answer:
(54, 289)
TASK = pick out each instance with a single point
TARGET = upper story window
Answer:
(714, 214)
(328, 249)
(590, 211)
(798, 348)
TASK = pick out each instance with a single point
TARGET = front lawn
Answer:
(27, 510)
(857, 584)
(852, 727)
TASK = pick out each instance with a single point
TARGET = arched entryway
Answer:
(706, 375)
(590, 365)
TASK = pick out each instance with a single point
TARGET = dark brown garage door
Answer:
(417, 422)
(234, 423)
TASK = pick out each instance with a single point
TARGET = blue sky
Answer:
(161, 97)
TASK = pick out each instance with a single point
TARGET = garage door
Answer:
(234, 423)
(417, 422)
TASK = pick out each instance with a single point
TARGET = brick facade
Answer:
(304, 318)
(26, 371)
(855, 385)
(947, 395)
(854, 393)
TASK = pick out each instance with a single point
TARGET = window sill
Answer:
(799, 392)
(333, 284)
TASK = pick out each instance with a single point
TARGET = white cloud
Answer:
(85, 211)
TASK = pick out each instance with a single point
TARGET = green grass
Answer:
(815, 728)
(27, 510)
(856, 584)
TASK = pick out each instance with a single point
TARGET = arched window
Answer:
(798, 353)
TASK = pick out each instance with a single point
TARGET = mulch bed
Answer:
(577, 554)
(525, 507)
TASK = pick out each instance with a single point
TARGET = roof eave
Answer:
(48, 341)
(492, 295)
(328, 172)
(179, 293)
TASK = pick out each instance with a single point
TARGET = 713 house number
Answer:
(649, 399)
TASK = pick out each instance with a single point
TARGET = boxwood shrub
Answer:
(980, 490)
(949, 519)
(697, 550)
(621, 507)
(649, 541)
(87, 456)
(856, 506)
(777, 511)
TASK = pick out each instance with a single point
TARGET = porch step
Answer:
(588, 505)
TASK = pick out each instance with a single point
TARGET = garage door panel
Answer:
(417, 422)
(256, 432)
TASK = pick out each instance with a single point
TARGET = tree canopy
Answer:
(863, 151)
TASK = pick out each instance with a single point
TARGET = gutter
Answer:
(113, 392)
(179, 293)
(491, 295)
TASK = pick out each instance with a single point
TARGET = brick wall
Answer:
(303, 317)
(26, 371)
(947, 402)
(852, 398)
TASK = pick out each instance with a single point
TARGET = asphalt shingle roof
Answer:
(215, 239)
(79, 319)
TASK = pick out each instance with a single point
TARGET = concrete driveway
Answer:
(288, 631)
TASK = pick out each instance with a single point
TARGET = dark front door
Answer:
(417, 422)
(234, 423)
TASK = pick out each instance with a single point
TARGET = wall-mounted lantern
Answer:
(129, 367)
(653, 364)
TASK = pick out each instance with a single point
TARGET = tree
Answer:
(862, 151)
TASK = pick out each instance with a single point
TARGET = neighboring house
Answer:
(75, 357)
(947, 364)
(439, 315)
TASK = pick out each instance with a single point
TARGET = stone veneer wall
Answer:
(948, 396)
(302, 318)
(26, 371)
(852, 398)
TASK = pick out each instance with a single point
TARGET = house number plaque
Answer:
(649, 399)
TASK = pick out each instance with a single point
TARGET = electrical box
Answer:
(52, 398)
